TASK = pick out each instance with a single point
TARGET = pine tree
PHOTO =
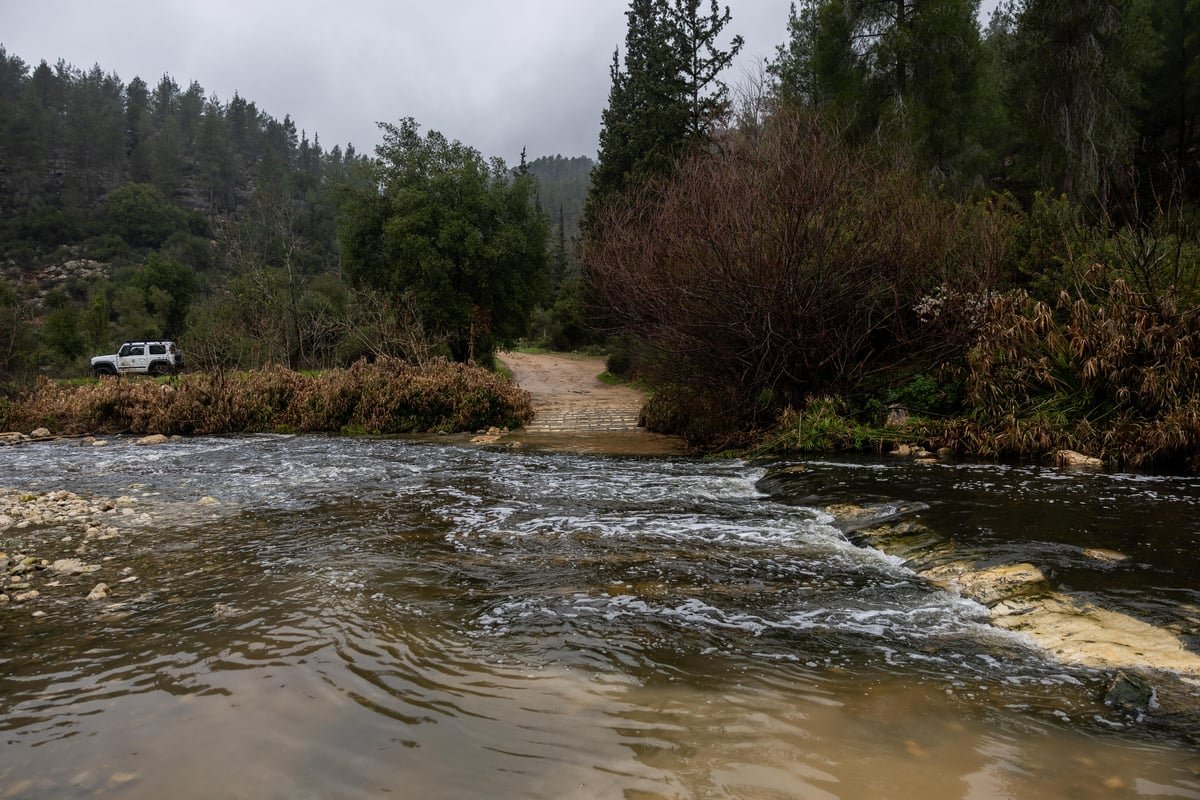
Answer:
(905, 68)
(1076, 78)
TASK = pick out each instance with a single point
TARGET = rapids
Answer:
(363, 617)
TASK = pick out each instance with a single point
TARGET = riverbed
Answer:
(364, 617)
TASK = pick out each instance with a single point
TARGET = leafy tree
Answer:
(13, 329)
(140, 214)
(462, 236)
(1170, 124)
(61, 330)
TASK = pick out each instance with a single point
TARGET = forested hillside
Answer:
(138, 210)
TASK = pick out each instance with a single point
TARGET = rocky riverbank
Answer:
(59, 549)
(1153, 674)
(59, 546)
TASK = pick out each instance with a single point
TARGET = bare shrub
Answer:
(782, 263)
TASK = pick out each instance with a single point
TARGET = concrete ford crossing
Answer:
(140, 358)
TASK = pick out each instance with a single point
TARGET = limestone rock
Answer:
(68, 566)
(157, 438)
(98, 592)
(991, 585)
(1072, 459)
(40, 433)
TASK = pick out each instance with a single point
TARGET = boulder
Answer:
(40, 433)
(98, 592)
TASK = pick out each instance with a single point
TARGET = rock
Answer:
(1107, 556)
(485, 438)
(902, 450)
(32, 594)
(1072, 459)
(991, 585)
(40, 433)
(897, 415)
(1131, 694)
(222, 610)
(156, 438)
(4, 599)
(12, 437)
(945, 454)
(68, 566)
(87, 441)
(98, 592)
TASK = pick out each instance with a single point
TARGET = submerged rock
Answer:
(991, 585)
(157, 438)
(1131, 694)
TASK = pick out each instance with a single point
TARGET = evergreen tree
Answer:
(666, 95)
(702, 62)
(899, 67)
(1075, 83)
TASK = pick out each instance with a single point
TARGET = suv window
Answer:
(158, 350)
(136, 350)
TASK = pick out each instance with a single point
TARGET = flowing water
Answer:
(389, 618)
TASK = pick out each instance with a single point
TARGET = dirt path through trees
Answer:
(574, 410)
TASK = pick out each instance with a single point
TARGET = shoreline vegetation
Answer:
(386, 396)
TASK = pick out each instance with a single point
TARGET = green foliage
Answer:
(140, 214)
(822, 425)
(909, 69)
(462, 236)
(1075, 83)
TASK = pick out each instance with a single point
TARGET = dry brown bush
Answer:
(386, 396)
(1116, 378)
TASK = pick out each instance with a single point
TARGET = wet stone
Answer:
(1131, 694)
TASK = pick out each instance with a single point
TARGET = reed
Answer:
(386, 396)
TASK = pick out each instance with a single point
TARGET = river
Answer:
(324, 617)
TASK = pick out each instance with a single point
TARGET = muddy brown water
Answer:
(358, 617)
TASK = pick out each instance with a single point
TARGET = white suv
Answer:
(140, 358)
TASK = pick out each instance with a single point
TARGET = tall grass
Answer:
(387, 396)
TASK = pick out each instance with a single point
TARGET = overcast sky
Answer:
(498, 75)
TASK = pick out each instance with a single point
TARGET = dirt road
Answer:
(568, 397)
